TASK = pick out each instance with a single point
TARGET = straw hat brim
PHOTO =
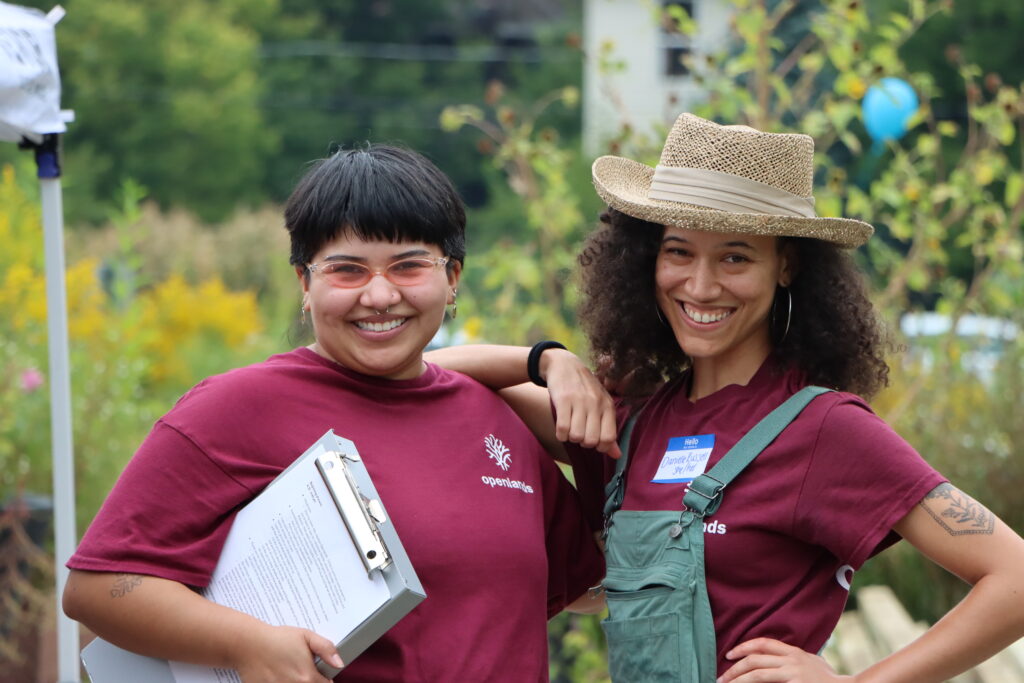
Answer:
(624, 184)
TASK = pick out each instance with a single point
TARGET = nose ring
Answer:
(386, 310)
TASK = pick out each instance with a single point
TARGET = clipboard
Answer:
(329, 475)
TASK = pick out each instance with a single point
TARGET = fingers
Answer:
(584, 412)
(285, 653)
(324, 649)
(761, 645)
(756, 667)
(588, 418)
(767, 659)
(609, 435)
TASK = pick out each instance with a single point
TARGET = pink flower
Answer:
(31, 380)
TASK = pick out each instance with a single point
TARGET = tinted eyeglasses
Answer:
(404, 273)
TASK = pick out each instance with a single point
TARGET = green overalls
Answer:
(659, 625)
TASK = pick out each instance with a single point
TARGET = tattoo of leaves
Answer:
(957, 512)
(124, 584)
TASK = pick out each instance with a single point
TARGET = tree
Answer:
(166, 93)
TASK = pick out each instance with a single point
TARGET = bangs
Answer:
(382, 193)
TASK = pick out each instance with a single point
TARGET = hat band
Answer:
(726, 192)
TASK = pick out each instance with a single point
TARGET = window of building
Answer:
(675, 45)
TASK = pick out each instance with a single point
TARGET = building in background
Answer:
(651, 85)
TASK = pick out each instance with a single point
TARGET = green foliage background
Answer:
(194, 119)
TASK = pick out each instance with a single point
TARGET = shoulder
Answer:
(839, 414)
(456, 385)
(848, 438)
(259, 383)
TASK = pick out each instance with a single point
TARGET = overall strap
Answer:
(615, 489)
(704, 494)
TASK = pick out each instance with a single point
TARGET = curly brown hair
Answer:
(835, 337)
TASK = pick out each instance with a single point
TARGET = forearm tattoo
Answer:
(957, 512)
(124, 584)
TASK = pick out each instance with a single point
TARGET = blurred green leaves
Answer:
(167, 93)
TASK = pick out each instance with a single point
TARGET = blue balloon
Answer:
(887, 107)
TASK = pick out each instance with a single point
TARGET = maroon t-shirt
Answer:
(797, 522)
(496, 560)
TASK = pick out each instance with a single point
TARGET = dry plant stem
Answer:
(761, 70)
(940, 162)
(764, 71)
(791, 60)
(21, 603)
(802, 91)
(543, 103)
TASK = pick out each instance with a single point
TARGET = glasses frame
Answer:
(317, 269)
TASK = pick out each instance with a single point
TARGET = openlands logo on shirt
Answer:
(501, 455)
(498, 451)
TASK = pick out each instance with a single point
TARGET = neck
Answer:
(712, 374)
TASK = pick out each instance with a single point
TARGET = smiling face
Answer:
(716, 292)
(351, 326)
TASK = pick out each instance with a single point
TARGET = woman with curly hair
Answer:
(833, 332)
(756, 480)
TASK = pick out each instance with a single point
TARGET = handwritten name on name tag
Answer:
(685, 458)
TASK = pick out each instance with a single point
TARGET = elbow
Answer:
(70, 600)
(585, 609)
(591, 602)
(75, 601)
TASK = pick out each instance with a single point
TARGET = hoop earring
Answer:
(661, 316)
(789, 313)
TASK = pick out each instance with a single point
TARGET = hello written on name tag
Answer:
(684, 459)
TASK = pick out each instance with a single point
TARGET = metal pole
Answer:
(68, 667)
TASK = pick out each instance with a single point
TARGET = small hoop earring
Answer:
(789, 313)
(661, 316)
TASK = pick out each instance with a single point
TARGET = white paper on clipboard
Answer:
(292, 559)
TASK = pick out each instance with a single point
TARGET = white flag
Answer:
(29, 80)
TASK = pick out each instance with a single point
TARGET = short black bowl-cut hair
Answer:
(379, 192)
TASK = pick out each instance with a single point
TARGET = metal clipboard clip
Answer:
(360, 514)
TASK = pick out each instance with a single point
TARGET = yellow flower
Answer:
(473, 327)
(857, 88)
(176, 314)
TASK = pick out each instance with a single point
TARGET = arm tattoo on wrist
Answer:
(957, 512)
(124, 584)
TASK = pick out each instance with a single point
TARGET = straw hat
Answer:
(726, 179)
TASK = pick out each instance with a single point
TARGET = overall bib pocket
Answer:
(649, 587)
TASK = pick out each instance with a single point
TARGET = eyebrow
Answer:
(362, 259)
(734, 244)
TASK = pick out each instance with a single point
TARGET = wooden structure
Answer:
(880, 625)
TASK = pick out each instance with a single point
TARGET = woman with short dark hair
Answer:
(377, 243)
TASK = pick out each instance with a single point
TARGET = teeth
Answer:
(707, 317)
(380, 327)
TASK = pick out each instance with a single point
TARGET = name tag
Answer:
(684, 459)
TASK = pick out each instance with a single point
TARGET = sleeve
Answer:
(168, 515)
(861, 480)
(588, 470)
(592, 469)
(574, 561)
